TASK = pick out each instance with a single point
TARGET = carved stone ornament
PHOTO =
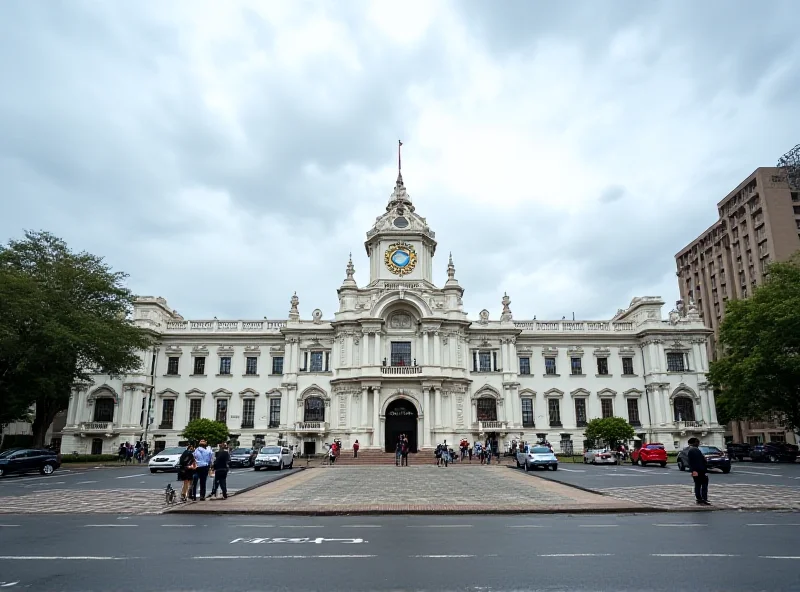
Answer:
(674, 317)
(317, 316)
(225, 349)
(400, 321)
(445, 339)
(200, 349)
(484, 317)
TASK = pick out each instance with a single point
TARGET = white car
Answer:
(166, 460)
(279, 457)
(537, 456)
(600, 456)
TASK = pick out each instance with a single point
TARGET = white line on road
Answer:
(442, 556)
(62, 557)
(598, 525)
(759, 474)
(361, 526)
(577, 555)
(441, 526)
(8, 525)
(778, 557)
(299, 526)
(573, 470)
(129, 476)
(252, 526)
(765, 524)
(527, 526)
(677, 524)
(109, 525)
(84, 482)
(692, 555)
(178, 525)
(285, 557)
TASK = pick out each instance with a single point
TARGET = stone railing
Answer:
(682, 425)
(400, 370)
(224, 326)
(575, 326)
(404, 286)
(95, 426)
(316, 427)
(489, 426)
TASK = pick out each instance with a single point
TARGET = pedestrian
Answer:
(355, 449)
(699, 468)
(398, 450)
(469, 450)
(186, 467)
(202, 456)
(221, 464)
(122, 453)
(404, 450)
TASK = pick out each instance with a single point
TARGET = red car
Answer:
(650, 453)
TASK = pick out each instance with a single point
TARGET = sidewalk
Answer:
(413, 490)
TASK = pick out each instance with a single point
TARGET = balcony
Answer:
(689, 425)
(165, 425)
(96, 428)
(248, 425)
(400, 370)
(492, 426)
(311, 427)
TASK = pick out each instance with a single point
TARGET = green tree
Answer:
(63, 317)
(611, 430)
(759, 371)
(213, 432)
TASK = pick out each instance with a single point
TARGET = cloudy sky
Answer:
(228, 154)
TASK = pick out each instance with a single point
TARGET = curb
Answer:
(431, 512)
(578, 487)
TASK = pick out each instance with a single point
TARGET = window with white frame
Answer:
(195, 409)
(554, 412)
(602, 366)
(550, 366)
(627, 366)
(401, 353)
(274, 413)
(248, 413)
(316, 361)
(607, 408)
(580, 412)
(251, 366)
(676, 362)
(222, 410)
(225, 365)
(525, 365)
(633, 412)
(575, 366)
(172, 365)
(199, 365)
(167, 414)
(684, 409)
(527, 413)
(485, 362)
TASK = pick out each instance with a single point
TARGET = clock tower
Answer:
(400, 244)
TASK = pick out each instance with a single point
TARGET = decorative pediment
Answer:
(168, 393)
(314, 391)
(276, 350)
(248, 392)
(549, 351)
(575, 351)
(221, 392)
(524, 349)
(627, 351)
(225, 350)
(606, 392)
(173, 351)
(633, 392)
(200, 350)
(579, 392)
(526, 392)
(683, 390)
(273, 393)
(487, 391)
(602, 352)
(103, 391)
(252, 351)
(678, 345)
(195, 392)
(553, 393)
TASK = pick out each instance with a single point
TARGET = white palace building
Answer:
(402, 356)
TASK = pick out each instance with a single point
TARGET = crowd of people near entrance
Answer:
(483, 452)
(128, 453)
(197, 464)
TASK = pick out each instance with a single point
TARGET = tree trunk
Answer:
(46, 410)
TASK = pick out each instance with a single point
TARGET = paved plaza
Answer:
(724, 496)
(86, 501)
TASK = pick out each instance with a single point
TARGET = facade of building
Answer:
(759, 222)
(401, 356)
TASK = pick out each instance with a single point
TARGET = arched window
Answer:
(314, 409)
(684, 409)
(104, 409)
(487, 409)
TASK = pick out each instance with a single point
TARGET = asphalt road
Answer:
(606, 476)
(126, 477)
(699, 551)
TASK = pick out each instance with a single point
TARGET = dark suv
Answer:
(774, 452)
(27, 460)
(738, 451)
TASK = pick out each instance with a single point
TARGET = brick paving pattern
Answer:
(346, 490)
(732, 497)
(97, 501)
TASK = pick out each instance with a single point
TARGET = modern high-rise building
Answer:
(759, 222)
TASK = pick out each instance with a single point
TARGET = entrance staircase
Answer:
(371, 458)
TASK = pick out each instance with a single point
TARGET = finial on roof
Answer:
(350, 269)
(451, 269)
(506, 316)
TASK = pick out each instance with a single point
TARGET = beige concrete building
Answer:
(759, 222)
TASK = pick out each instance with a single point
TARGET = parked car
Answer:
(715, 458)
(738, 451)
(166, 460)
(774, 452)
(243, 457)
(654, 452)
(537, 456)
(279, 457)
(600, 456)
(27, 460)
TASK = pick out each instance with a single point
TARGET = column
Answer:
(425, 348)
(365, 349)
(666, 405)
(291, 404)
(662, 356)
(704, 356)
(72, 408)
(437, 401)
(653, 393)
(364, 406)
(426, 417)
(378, 357)
(516, 412)
(712, 406)
(437, 349)
(376, 410)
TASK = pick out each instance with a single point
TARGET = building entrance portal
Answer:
(401, 418)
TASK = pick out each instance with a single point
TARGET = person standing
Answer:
(186, 467)
(404, 450)
(699, 468)
(202, 457)
(355, 449)
(221, 464)
(398, 447)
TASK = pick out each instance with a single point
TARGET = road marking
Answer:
(692, 555)
(295, 541)
(527, 526)
(779, 557)
(85, 482)
(285, 557)
(765, 524)
(62, 558)
(109, 525)
(361, 526)
(442, 556)
(298, 526)
(130, 476)
(178, 525)
(759, 474)
(252, 526)
(577, 555)
(598, 525)
(678, 524)
(572, 470)
(8, 584)
(441, 526)
(8, 525)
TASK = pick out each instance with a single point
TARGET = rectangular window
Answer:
(549, 365)
(777, 437)
(222, 410)
(167, 414)
(225, 365)
(316, 362)
(474, 361)
(602, 366)
(527, 413)
(627, 366)
(172, 365)
(401, 353)
(277, 364)
(580, 412)
(633, 412)
(675, 362)
(248, 413)
(524, 365)
(575, 366)
(554, 411)
(251, 367)
(485, 360)
(200, 365)
(195, 408)
(607, 407)
(274, 413)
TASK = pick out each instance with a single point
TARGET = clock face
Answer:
(400, 258)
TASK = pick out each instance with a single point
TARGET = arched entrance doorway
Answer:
(401, 418)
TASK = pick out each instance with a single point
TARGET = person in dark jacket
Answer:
(186, 467)
(221, 464)
(699, 468)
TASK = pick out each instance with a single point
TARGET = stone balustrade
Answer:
(400, 370)
(216, 326)
(95, 426)
(576, 326)
(311, 427)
